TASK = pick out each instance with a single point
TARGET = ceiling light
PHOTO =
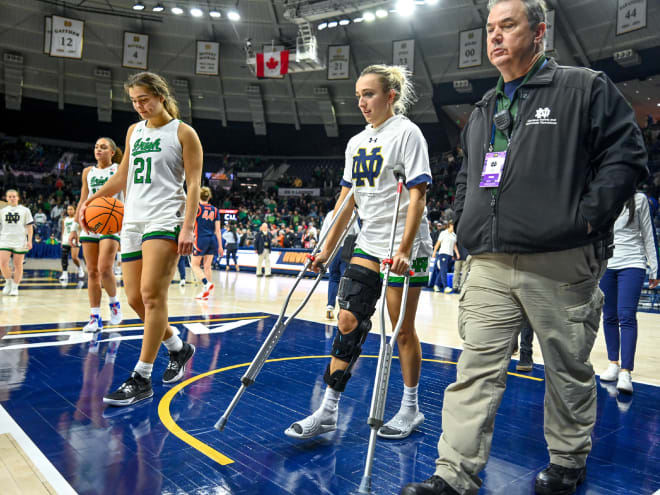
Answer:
(344, 22)
(431, 2)
(405, 8)
(332, 24)
(215, 14)
(368, 16)
(358, 20)
(380, 13)
(322, 26)
(177, 10)
(158, 7)
(196, 12)
(232, 15)
(138, 5)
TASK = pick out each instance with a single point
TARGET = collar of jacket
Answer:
(542, 78)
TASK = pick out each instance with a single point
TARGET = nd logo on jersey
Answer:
(12, 217)
(367, 166)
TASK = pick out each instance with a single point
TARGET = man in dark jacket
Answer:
(551, 155)
(262, 245)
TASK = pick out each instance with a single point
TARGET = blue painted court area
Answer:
(53, 377)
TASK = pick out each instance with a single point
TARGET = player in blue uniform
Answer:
(208, 241)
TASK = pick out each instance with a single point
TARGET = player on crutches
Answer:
(371, 156)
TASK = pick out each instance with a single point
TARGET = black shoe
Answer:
(435, 485)
(559, 480)
(133, 390)
(177, 366)
(525, 363)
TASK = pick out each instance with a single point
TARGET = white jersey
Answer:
(447, 242)
(154, 187)
(97, 177)
(370, 158)
(14, 221)
(70, 225)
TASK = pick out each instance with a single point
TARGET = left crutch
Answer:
(379, 396)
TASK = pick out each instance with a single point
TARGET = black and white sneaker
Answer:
(133, 390)
(177, 366)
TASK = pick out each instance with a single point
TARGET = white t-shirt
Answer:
(13, 223)
(370, 158)
(447, 242)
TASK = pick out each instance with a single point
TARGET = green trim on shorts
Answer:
(135, 255)
(89, 239)
(110, 236)
(13, 251)
(160, 234)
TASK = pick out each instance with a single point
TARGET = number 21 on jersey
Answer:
(142, 176)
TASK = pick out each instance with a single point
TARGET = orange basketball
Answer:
(104, 215)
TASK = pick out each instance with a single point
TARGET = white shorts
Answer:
(134, 234)
(16, 246)
(95, 238)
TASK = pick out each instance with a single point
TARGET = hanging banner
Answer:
(66, 37)
(550, 30)
(470, 48)
(403, 53)
(630, 15)
(48, 33)
(136, 50)
(207, 59)
(338, 61)
(271, 48)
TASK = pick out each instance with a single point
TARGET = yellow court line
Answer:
(45, 330)
(207, 450)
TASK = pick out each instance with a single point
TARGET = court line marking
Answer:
(44, 330)
(40, 461)
(206, 449)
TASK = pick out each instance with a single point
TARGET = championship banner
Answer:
(550, 31)
(208, 57)
(630, 15)
(403, 53)
(470, 48)
(136, 50)
(66, 38)
(338, 61)
(48, 33)
(298, 191)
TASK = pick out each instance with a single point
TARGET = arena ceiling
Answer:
(585, 34)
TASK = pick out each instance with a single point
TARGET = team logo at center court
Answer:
(542, 117)
(146, 146)
(367, 166)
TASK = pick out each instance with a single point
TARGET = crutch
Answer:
(377, 410)
(280, 325)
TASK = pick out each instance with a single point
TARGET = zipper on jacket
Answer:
(493, 225)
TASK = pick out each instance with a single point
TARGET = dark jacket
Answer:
(575, 156)
(261, 240)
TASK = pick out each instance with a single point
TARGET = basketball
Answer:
(104, 215)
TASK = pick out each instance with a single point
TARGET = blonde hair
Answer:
(157, 86)
(118, 154)
(399, 79)
(14, 191)
(205, 193)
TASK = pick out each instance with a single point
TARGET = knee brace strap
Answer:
(359, 291)
(347, 348)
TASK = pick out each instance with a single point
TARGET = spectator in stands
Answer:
(538, 235)
(634, 249)
(41, 224)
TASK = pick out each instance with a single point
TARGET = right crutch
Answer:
(280, 325)
(379, 396)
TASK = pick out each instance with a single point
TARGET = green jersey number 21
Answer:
(142, 177)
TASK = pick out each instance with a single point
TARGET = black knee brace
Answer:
(65, 257)
(346, 347)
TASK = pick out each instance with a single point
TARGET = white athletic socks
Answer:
(409, 400)
(174, 343)
(96, 311)
(113, 299)
(329, 408)
(144, 369)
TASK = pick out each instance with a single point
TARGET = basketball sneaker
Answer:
(177, 365)
(64, 277)
(14, 289)
(329, 315)
(182, 283)
(95, 324)
(7, 288)
(81, 272)
(133, 390)
(204, 295)
(115, 313)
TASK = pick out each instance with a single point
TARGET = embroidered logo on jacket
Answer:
(542, 117)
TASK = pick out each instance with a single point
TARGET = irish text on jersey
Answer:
(146, 146)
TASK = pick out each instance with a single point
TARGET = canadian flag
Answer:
(272, 64)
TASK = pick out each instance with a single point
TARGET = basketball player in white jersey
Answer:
(383, 93)
(70, 243)
(100, 250)
(161, 153)
(16, 230)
